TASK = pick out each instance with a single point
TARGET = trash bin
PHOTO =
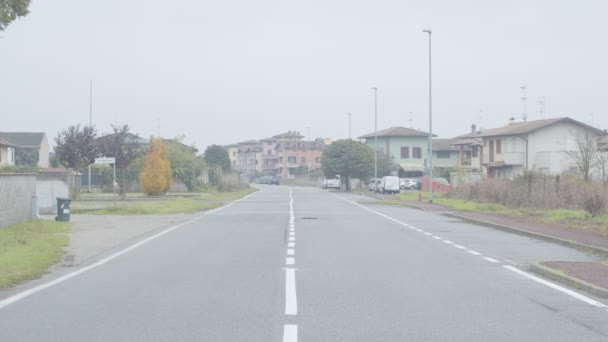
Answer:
(63, 209)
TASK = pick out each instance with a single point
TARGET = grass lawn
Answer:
(27, 249)
(227, 196)
(569, 217)
(170, 206)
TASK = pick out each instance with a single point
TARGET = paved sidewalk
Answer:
(589, 276)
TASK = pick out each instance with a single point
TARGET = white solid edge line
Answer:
(290, 261)
(558, 288)
(290, 333)
(291, 300)
(14, 298)
(491, 259)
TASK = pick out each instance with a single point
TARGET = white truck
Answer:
(332, 183)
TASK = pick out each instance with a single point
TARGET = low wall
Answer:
(16, 192)
(47, 192)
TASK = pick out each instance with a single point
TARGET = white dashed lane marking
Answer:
(492, 260)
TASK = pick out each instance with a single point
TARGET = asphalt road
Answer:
(301, 264)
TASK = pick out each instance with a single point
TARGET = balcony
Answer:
(514, 158)
(292, 165)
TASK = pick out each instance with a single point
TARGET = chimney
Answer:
(511, 120)
(473, 128)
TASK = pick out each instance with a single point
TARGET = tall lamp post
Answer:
(90, 122)
(429, 31)
(349, 135)
(375, 89)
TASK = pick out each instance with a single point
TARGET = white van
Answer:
(390, 185)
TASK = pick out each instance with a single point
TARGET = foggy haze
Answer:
(221, 72)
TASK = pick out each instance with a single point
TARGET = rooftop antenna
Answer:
(541, 107)
(411, 120)
(523, 100)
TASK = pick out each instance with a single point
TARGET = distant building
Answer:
(29, 148)
(233, 150)
(539, 145)
(408, 147)
(249, 158)
(287, 154)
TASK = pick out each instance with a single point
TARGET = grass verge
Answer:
(569, 217)
(28, 249)
(227, 196)
(171, 206)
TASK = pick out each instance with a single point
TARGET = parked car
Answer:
(389, 184)
(274, 181)
(373, 184)
(265, 180)
(407, 183)
(416, 185)
(332, 183)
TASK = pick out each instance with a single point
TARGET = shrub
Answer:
(155, 178)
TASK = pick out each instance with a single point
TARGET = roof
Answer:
(444, 145)
(466, 142)
(289, 135)
(396, 132)
(130, 138)
(4, 142)
(24, 139)
(526, 127)
(248, 142)
(182, 145)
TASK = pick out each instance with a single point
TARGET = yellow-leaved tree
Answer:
(155, 178)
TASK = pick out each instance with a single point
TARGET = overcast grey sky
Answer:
(227, 71)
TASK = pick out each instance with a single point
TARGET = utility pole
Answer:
(523, 100)
(375, 89)
(429, 31)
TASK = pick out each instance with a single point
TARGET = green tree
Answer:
(217, 156)
(386, 164)
(186, 166)
(155, 179)
(11, 10)
(349, 159)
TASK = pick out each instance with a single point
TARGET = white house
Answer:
(29, 143)
(539, 145)
(7, 153)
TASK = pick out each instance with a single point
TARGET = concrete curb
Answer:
(565, 279)
(564, 242)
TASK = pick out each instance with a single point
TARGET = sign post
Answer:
(108, 161)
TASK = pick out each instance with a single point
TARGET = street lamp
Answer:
(375, 89)
(349, 117)
(429, 31)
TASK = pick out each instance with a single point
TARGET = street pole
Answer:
(429, 31)
(349, 126)
(90, 122)
(375, 89)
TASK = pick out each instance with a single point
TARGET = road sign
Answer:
(105, 160)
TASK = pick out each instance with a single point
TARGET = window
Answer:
(498, 146)
(416, 152)
(475, 151)
(443, 154)
(269, 152)
(303, 160)
(291, 160)
(405, 152)
(317, 159)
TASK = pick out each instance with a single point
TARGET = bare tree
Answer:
(601, 161)
(125, 147)
(583, 153)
